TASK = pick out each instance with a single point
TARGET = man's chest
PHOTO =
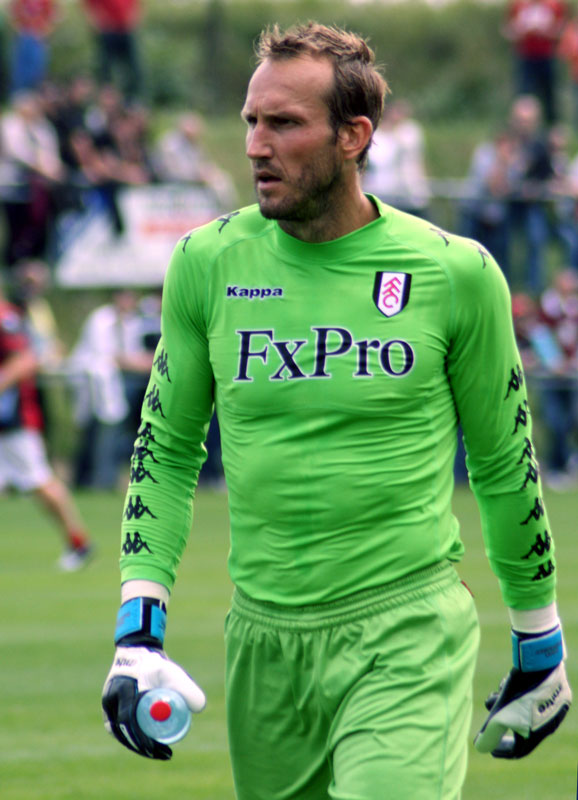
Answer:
(350, 337)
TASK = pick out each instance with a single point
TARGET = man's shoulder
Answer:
(464, 265)
(434, 242)
(224, 231)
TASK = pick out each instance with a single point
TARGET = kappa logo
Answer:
(134, 544)
(391, 292)
(254, 292)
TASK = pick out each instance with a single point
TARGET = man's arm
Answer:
(18, 367)
(489, 386)
(169, 450)
(488, 382)
(157, 515)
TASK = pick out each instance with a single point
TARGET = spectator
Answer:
(109, 152)
(396, 170)
(129, 146)
(68, 111)
(33, 22)
(30, 284)
(180, 157)
(115, 25)
(109, 357)
(547, 334)
(568, 52)
(531, 175)
(559, 312)
(525, 317)
(562, 188)
(534, 28)
(3, 52)
(23, 461)
(33, 171)
(101, 113)
(31, 280)
(136, 367)
(541, 354)
(490, 183)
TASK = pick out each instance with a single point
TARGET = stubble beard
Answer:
(309, 197)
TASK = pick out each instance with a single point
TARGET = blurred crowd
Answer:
(66, 148)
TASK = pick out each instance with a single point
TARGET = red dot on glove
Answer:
(160, 711)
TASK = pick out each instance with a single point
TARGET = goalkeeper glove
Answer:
(140, 664)
(531, 701)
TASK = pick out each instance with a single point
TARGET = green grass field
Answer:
(56, 648)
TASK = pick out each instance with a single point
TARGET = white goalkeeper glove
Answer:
(140, 664)
(531, 701)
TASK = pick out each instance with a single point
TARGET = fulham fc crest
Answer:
(391, 292)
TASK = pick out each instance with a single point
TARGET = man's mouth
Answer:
(265, 178)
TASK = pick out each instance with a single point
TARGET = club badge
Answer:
(391, 292)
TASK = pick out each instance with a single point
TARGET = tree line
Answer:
(450, 61)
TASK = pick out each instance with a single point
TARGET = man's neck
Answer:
(342, 217)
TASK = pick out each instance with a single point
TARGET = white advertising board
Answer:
(91, 253)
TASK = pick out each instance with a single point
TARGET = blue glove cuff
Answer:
(533, 652)
(142, 619)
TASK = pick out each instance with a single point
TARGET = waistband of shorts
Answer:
(360, 605)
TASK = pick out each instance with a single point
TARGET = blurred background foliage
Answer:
(450, 61)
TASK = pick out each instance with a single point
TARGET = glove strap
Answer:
(534, 652)
(141, 621)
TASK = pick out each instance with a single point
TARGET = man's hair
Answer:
(359, 88)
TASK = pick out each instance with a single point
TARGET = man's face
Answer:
(295, 155)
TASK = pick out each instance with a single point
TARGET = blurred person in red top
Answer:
(568, 52)
(33, 21)
(23, 462)
(115, 25)
(534, 28)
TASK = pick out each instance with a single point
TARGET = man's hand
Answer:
(140, 664)
(135, 670)
(531, 701)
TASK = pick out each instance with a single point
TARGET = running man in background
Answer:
(23, 461)
(340, 341)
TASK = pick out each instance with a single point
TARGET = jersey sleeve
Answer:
(169, 450)
(487, 380)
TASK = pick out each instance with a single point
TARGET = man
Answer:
(115, 24)
(396, 170)
(339, 339)
(23, 462)
(33, 21)
(531, 179)
(112, 360)
(534, 28)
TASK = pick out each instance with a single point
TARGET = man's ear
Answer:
(354, 136)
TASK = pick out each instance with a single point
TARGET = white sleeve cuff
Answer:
(536, 620)
(138, 588)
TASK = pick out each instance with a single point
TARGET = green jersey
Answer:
(339, 373)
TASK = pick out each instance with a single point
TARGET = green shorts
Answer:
(368, 698)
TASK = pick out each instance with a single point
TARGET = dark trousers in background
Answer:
(537, 76)
(117, 54)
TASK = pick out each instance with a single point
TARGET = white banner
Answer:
(91, 253)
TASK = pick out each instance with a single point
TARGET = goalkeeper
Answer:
(340, 342)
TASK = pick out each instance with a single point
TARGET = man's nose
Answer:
(258, 144)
